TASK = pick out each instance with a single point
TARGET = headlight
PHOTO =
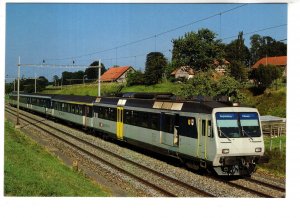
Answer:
(225, 151)
(257, 149)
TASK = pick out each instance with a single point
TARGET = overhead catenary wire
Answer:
(138, 55)
(150, 37)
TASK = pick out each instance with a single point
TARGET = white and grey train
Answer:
(204, 134)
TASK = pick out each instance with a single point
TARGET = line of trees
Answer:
(28, 85)
(78, 77)
(200, 50)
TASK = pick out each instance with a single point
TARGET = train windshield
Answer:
(236, 125)
(249, 124)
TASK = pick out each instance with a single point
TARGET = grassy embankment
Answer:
(110, 88)
(276, 150)
(272, 102)
(29, 170)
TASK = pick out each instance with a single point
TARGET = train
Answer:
(211, 134)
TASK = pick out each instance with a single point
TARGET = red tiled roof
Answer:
(114, 73)
(278, 61)
(187, 69)
(216, 62)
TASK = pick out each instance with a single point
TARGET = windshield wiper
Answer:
(221, 132)
(247, 134)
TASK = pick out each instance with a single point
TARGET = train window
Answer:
(127, 116)
(105, 113)
(80, 110)
(249, 124)
(154, 121)
(100, 113)
(187, 127)
(203, 127)
(168, 123)
(144, 119)
(210, 129)
(112, 114)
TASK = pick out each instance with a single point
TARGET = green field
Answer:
(29, 170)
(90, 89)
(276, 150)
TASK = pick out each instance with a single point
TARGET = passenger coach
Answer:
(210, 134)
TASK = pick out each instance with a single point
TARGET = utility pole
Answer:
(34, 82)
(18, 98)
(99, 78)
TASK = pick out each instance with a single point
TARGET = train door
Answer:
(120, 125)
(85, 109)
(205, 135)
(169, 129)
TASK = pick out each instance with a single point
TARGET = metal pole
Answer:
(18, 99)
(34, 82)
(14, 84)
(99, 78)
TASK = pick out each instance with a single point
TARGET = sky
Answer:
(123, 34)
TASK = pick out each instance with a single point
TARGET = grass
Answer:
(110, 88)
(161, 87)
(90, 89)
(272, 102)
(275, 148)
(29, 170)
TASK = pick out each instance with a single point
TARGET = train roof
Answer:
(33, 95)
(162, 101)
(165, 102)
(74, 98)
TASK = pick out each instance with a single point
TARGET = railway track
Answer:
(278, 187)
(259, 187)
(88, 149)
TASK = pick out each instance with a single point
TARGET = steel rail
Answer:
(173, 180)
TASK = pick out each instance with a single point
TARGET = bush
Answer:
(135, 78)
(264, 76)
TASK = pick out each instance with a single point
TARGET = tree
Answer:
(28, 85)
(262, 46)
(264, 76)
(202, 84)
(92, 73)
(198, 50)
(155, 67)
(72, 77)
(135, 78)
(238, 71)
(237, 51)
(55, 80)
(228, 86)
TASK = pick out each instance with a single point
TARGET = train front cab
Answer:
(239, 141)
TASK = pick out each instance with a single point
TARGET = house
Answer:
(220, 69)
(116, 74)
(183, 72)
(280, 61)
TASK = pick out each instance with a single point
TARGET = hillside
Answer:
(272, 102)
